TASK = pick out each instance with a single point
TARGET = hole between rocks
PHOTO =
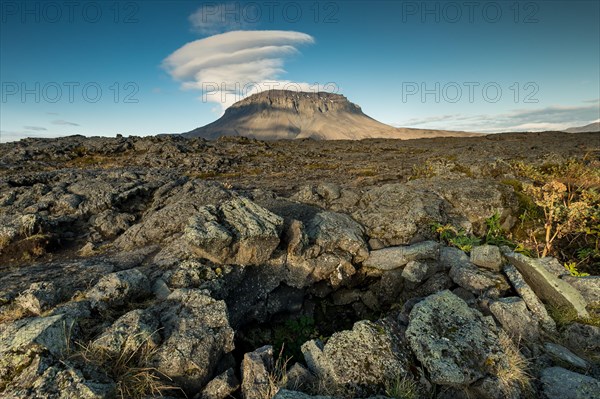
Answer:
(308, 317)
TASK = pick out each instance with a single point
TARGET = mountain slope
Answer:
(279, 114)
(592, 127)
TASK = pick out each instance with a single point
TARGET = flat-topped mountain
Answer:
(282, 114)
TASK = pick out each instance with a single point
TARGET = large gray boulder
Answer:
(487, 256)
(531, 300)
(396, 257)
(516, 319)
(455, 343)
(546, 286)
(395, 214)
(23, 340)
(588, 287)
(325, 246)
(560, 383)
(477, 280)
(221, 387)
(256, 369)
(359, 360)
(116, 289)
(129, 332)
(172, 205)
(235, 232)
(196, 336)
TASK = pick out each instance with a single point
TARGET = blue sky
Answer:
(148, 67)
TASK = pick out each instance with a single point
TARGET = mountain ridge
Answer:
(592, 127)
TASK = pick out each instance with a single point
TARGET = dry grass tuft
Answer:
(128, 367)
(277, 378)
(514, 379)
(13, 312)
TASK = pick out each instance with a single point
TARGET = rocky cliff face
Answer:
(301, 103)
(280, 114)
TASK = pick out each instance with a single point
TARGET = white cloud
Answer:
(36, 128)
(64, 123)
(212, 18)
(558, 117)
(228, 66)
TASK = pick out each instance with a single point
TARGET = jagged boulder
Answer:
(24, 340)
(47, 378)
(118, 288)
(221, 387)
(516, 319)
(235, 232)
(172, 205)
(396, 257)
(196, 335)
(324, 247)
(395, 214)
(455, 343)
(331, 232)
(360, 359)
(40, 297)
(546, 286)
(256, 369)
(487, 256)
(132, 330)
(560, 383)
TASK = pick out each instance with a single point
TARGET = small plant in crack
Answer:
(290, 336)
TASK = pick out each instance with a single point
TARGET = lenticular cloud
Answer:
(232, 62)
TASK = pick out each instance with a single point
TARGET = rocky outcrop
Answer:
(546, 286)
(235, 232)
(559, 383)
(397, 215)
(455, 343)
(172, 204)
(359, 360)
(516, 319)
(196, 336)
(256, 369)
(188, 279)
(118, 288)
(221, 387)
(396, 257)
